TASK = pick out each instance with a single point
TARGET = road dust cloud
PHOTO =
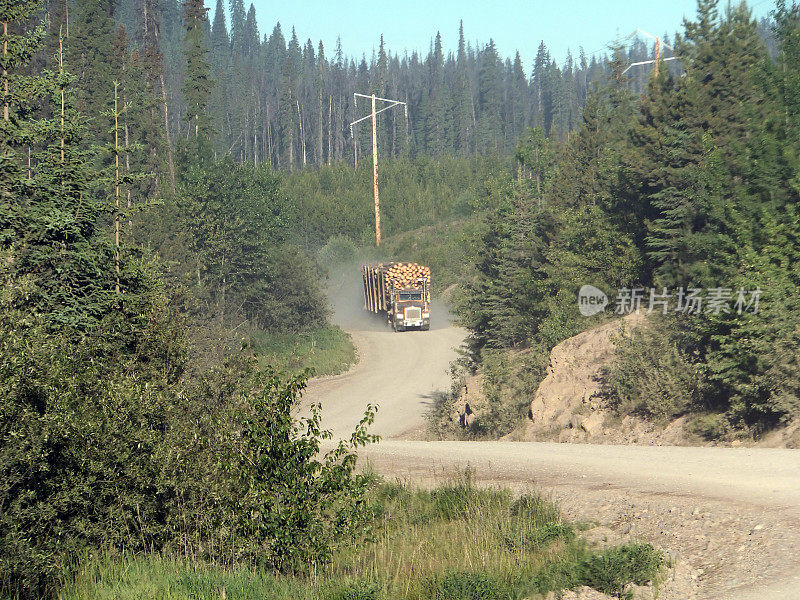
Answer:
(346, 298)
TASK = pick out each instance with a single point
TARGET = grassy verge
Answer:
(327, 350)
(454, 542)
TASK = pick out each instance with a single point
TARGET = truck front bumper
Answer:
(414, 322)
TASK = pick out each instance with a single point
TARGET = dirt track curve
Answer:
(729, 517)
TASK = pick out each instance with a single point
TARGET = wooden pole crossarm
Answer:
(369, 97)
(369, 116)
(648, 62)
(650, 35)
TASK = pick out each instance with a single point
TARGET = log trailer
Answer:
(400, 290)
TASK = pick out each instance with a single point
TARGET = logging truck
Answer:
(402, 291)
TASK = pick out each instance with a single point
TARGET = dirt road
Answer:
(397, 371)
(728, 517)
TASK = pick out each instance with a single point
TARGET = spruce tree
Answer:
(489, 132)
(198, 84)
(90, 55)
(436, 104)
(701, 122)
(287, 115)
(52, 196)
(462, 100)
(221, 96)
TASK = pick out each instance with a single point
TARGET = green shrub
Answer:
(538, 538)
(289, 505)
(611, 571)
(339, 250)
(650, 375)
(466, 586)
(103, 449)
(351, 590)
(510, 380)
(710, 426)
(556, 575)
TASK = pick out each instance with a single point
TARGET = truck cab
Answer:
(411, 308)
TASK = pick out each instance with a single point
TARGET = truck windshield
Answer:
(410, 295)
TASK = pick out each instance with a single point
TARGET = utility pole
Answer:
(373, 115)
(116, 186)
(375, 175)
(656, 54)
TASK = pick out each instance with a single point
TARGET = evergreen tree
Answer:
(287, 115)
(702, 122)
(220, 58)
(244, 111)
(91, 57)
(489, 100)
(198, 84)
(238, 27)
(436, 104)
(539, 85)
(463, 107)
(518, 110)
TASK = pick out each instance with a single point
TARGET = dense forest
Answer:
(277, 99)
(689, 189)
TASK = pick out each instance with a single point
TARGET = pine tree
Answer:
(91, 57)
(463, 107)
(197, 85)
(489, 134)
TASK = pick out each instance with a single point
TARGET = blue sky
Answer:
(513, 24)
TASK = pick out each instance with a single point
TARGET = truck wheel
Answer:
(425, 327)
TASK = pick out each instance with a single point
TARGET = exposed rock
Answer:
(573, 383)
(593, 423)
(584, 593)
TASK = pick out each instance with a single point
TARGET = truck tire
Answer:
(426, 327)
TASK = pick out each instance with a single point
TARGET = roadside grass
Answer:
(454, 542)
(327, 350)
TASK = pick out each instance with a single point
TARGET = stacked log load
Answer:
(403, 275)
(381, 278)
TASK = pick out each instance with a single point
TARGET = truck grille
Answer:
(413, 313)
